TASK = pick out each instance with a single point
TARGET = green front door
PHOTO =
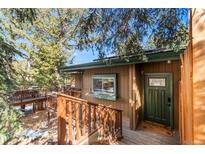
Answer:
(158, 98)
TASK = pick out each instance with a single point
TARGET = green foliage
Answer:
(23, 15)
(129, 31)
(7, 52)
(23, 74)
(9, 116)
(9, 121)
(47, 41)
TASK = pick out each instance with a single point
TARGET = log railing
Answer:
(26, 97)
(72, 91)
(37, 103)
(78, 117)
(21, 95)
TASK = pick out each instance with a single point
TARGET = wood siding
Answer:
(186, 98)
(164, 67)
(130, 84)
(135, 95)
(192, 91)
(77, 80)
(198, 42)
(122, 87)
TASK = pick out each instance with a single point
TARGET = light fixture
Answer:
(169, 61)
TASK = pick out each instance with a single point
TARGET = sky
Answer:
(84, 56)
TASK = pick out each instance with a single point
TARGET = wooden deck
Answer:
(147, 136)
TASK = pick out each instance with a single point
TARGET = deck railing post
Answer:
(34, 107)
(120, 120)
(89, 118)
(103, 122)
(49, 99)
(94, 117)
(106, 124)
(77, 121)
(114, 122)
(61, 116)
(70, 122)
(83, 118)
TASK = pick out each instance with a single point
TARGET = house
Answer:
(164, 88)
(143, 89)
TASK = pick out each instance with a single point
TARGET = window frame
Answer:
(102, 94)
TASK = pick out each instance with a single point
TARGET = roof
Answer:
(155, 55)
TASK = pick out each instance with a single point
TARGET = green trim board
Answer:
(103, 96)
(158, 103)
(116, 61)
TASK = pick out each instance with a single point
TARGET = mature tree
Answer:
(8, 52)
(9, 116)
(48, 41)
(128, 31)
(23, 74)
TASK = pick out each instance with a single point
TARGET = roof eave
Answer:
(119, 62)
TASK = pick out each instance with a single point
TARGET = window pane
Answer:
(108, 85)
(97, 85)
(157, 82)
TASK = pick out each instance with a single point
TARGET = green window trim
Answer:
(103, 94)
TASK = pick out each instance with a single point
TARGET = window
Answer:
(104, 86)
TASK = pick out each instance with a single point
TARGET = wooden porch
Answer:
(100, 120)
(147, 134)
(105, 124)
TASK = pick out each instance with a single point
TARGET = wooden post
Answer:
(94, 117)
(114, 121)
(49, 101)
(70, 122)
(131, 103)
(61, 116)
(89, 118)
(98, 118)
(120, 124)
(103, 119)
(34, 107)
(21, 96)
(84, 118)
(110, 120)
(106, 124)
(77, 121)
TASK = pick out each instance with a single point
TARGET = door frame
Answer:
(171, 95)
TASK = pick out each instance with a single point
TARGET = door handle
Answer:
(169, 101)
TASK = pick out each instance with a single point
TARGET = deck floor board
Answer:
(146, 136)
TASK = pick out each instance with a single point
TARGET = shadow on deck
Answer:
(147, 135)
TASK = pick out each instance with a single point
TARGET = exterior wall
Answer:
(122, 87)
(130, 86)
(198, 42)
(164, 67)
(77, 80)
(186, 97)
(135, 95)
